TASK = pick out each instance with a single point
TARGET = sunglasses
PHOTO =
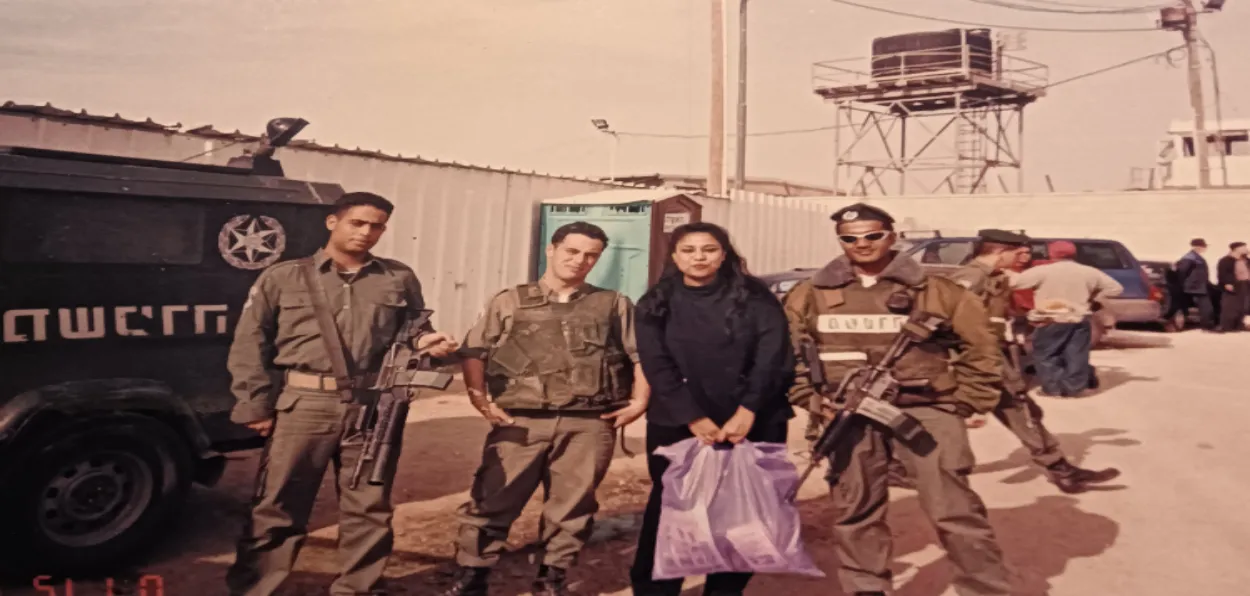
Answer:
(870, 236)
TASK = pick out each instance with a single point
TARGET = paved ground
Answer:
(1171, 415)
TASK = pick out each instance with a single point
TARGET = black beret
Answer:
(1003, 237)
(861, 212)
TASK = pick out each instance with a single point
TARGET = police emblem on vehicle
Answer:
(860, 323)
(251, 241)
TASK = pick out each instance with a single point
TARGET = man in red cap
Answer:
(1063, 293)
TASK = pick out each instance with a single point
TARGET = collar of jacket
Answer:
(902, 269)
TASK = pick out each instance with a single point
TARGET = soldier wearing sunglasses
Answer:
(852, 309)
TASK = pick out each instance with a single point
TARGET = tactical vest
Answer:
(854, 328)
(561, 356)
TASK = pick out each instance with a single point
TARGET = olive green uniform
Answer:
(281, 368)
(555, 368)
(1014, 408)
(944, 380)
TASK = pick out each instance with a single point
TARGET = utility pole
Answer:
(716, 132)
(740, 172)
(1188, 28)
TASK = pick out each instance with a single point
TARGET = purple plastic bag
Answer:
(724, 510)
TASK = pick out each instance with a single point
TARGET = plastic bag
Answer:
(724, 510)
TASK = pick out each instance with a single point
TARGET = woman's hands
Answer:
(705, 430)
(738, 427)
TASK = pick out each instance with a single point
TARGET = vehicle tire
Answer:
(94, 493)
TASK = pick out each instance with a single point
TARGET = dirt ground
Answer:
(1168, 416)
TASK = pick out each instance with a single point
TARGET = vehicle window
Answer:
(1100, 255)
(955, 252)
(1040, 252)
(102, 230)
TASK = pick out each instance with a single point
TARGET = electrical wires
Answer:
(1072, 9)
(988, 25)
(796, 131)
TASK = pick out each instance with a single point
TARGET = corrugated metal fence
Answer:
(467, 231)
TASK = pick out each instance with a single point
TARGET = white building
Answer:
(1228, 151)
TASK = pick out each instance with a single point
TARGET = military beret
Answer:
(1003, 237)
(861, 212)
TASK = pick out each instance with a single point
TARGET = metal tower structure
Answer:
(931, 118)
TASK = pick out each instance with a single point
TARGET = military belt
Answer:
(303, 380)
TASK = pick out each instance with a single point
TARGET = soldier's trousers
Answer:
(1015, 414)
(568, 454)
(312, 431)
(959, 515)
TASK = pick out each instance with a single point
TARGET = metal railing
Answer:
(922, 66)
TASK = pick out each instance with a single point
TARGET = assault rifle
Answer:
(868, 391)
(381, 423)
(1015, 361)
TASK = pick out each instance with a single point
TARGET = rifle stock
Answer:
(381, 424)
(869, 392)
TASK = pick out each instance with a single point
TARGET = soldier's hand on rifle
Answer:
(437, 345)
(491, 412)
(705, 430)
(628, 414)
(738, 427)
(262, 427)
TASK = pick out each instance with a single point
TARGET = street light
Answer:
(602, 126)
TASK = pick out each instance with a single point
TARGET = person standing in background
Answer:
(1193, 278)
(715, 346)
(1233, 276)
(1063, 293)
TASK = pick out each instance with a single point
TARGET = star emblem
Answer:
(251, 242)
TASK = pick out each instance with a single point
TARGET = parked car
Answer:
(1141, 301)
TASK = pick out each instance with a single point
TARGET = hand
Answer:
(487, 408)
(1229, 288)
(437, 345)
(262, 427)
(737, 428)
(705, 430)
(628, 414)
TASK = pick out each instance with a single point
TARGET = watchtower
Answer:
(943, 109)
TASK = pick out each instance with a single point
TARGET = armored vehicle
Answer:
(120, 284)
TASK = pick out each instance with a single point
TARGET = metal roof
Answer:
(1229, 125)
(623, 196)
(209, 132)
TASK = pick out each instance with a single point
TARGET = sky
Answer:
(515, 83)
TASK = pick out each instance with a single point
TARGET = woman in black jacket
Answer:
(715, 347)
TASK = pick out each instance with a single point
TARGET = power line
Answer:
(1071, 9)
(987, 25)
(794, 131)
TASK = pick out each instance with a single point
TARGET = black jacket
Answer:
(697, 368)
(1193, 274)
(1226, 272)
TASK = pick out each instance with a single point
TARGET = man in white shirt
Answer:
(1063, 292)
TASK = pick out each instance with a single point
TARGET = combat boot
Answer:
(550, 582)
(470, 581)
(1071, 479)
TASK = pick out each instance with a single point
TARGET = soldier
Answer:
(553, 366)
(852, 308)
(997, 251)
(288, 388)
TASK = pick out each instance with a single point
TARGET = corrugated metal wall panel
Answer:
(467, 232)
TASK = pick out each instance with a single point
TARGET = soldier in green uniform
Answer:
(852, 309)
(553, 366)
(996, 251)
(287, 391)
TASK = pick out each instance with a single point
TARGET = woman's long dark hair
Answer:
(740, 285)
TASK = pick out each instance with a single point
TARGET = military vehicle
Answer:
(120, 284)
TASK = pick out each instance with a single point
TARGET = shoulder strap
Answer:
(329, 330)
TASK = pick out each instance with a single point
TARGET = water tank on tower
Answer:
(914, 54)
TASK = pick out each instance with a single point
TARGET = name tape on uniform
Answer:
(843, 356)
(875, 323)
